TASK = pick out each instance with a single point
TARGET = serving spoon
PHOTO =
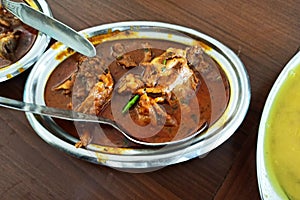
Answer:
(81, 117)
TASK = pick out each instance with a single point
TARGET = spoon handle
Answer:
(52, 112)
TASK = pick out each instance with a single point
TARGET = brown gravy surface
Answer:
(208, 105)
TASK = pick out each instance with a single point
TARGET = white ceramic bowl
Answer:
(269, 188)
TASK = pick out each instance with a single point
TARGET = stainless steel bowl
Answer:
(38, 48)
(146, 159)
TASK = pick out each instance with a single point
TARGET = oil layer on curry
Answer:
(156, 90)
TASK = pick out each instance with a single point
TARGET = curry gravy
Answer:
(209, 103)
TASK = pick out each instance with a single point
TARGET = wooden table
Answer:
(265, 35)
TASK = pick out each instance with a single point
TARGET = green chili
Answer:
(164, 62)
(130, 103)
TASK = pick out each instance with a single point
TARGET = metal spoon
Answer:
(76, 116)
(50, 26)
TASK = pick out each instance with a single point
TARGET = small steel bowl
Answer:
(145, 159)
(38, 48)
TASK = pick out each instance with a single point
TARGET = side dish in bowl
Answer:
(278, 144)
(20, 45)
(159, 81)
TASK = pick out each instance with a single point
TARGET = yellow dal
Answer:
(282, 142)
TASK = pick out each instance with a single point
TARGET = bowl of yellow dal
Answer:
(278, 145)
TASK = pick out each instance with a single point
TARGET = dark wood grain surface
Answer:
(265, 35)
